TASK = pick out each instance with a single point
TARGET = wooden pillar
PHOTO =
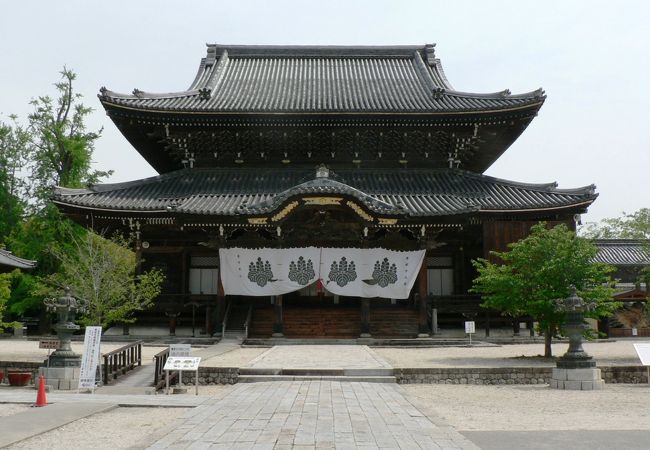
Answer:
(487, 323)
(365, 318)
(278, 325)
(423, 316)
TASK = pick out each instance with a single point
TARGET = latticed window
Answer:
(440, 275)
(204, 275)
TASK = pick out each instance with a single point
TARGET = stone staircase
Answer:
(374, 375)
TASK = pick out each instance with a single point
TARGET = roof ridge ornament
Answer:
(138, 93)
(430, 54)
(322, 171)
(205, 93)
(438, 93)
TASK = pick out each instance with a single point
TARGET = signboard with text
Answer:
(182, 363)
(180, 349)
(643, 350)
(470, 327)
(90, 357)
(49, 344)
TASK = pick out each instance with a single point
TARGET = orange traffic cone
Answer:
(41, 399)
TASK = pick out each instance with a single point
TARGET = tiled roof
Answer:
(8, 259)
(261, 79)
(414, 192)
(621, 252)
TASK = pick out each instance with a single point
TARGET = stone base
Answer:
(61, 378)
(587, 379)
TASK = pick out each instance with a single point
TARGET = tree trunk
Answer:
(548, 337)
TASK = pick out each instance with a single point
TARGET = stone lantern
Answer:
(64, 364)
(576, 370)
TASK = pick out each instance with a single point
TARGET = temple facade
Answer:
(356, 154)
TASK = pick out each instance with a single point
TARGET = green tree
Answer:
(14, 150)
(5, 292)
(103, 273)
(630, 226)
(538, 270)
(62, 147)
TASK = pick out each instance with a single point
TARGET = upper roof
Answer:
(8, 259)
(251, 191)
(623, 252)
(333, 79)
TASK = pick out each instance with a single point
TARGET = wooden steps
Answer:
(336, 322)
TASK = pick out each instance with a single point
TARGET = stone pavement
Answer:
(310, 415)
(320, 357)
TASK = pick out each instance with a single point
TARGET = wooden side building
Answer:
(281, 147)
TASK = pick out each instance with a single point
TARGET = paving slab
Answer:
(310, 414)
(35, 421)
(320, 357)
(561, 439)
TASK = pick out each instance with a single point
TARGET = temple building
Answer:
(321, 191)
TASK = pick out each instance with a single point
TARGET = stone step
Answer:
(318, 372)
(366, 379)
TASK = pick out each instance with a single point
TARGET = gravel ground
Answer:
(130, 428)
(620, 352)
(535, 407)
(24, 350)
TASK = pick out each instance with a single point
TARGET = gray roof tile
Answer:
(414, 192)
(621, 252)
(259, 79)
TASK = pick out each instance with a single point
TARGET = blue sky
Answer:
(591, 57)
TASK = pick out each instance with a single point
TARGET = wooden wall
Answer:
(499, 233)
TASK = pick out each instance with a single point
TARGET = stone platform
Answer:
(586, 379)
(61, 378)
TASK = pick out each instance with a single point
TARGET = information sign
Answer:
(180, 349)
(90, 358)
(470, 327)
(49, 344)
(182, 363)
(643, 350)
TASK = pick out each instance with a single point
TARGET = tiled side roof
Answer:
(8, 259)
(414, 192)
(259, 79)
(620, 252)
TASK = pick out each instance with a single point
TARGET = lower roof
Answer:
(254, 191)
(623, 252)
(8, 259)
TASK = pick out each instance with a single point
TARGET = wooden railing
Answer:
(225, 320)
(247, 324)
(160, 359)
(121, 360)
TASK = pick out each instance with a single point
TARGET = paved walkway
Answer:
(319, 357)
(310, 415)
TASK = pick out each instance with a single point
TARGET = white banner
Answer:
(372, 272)
(268, 271)
(350, 272)
(90, 357)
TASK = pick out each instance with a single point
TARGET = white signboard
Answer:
(180, 349)
(470, 327)
(182, 363)
(643, 350)
(90, 357)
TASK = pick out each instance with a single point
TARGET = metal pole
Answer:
(167, 382)
(196, 381)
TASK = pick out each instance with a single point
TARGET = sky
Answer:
(591, 57)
